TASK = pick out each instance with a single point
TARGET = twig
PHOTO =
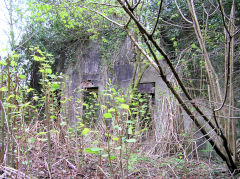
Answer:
(136, 5)
(129, 7)
(70, 165)
(9, 171)
(103, 4)
(228, 53)
(142, 51)
(158, 16)
(58, 162)
(182, 13)
(49, 172)
(107, 18)
(172, 170)
(223, 17)
(4, 112)
(102, 171)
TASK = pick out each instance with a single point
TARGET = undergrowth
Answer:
(54, 134)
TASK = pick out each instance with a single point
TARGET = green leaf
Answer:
(53, 131)
(122, 100)
(3, 63)
(175, 44)
(53, 117)
(32, 140)
(11, 96)
(108, 135)
(130, 130)
(103, 106)
(63, 123)
(113, 90)
(15, 55)
(104, 155)
(107, 115)
(11, 105)
(194, 46)
(81, 125)
(111, 110)
(55, 86)
(85, 131)
(24, 105)
(48, 70)
(43, 140)
(29, 90)
(131, 140)
(13, 63)
(124, 106)
(115, 138)
(21, 76)
(94, 95)
(70, 130)
(94, 150)
(41, 133)
(112, 157)
(3, 89)
(52, 76)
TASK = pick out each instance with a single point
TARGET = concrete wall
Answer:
(90, 70)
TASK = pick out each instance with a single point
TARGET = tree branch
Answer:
(158, 16)
(129, 6)
(142, 51)
(136, 5)
(223, 16)
(114, 22)
(182, 13)
(227, 75)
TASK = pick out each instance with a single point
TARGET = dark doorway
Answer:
(90, 106)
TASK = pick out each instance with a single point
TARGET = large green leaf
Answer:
(85, 131)
(94, 150)
(107, 115)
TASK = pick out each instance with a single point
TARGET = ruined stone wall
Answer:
(90, 71)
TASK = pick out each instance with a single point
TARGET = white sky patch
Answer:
(18, 23)
(3, 27)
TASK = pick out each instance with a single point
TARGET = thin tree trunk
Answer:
(212, 76)
(231, 94)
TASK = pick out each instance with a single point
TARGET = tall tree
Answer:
(220, 143)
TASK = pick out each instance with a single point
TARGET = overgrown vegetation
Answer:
(50, 129)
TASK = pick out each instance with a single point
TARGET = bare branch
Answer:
(227, 75)
(142, 51)
(182, 13)
(104, 4)
(158, 16)
(114, 22)
(229, 48)
(212, 76)
(129, 6)
(169, 23)
(223, 16)
(132, 16)
(136, 5)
